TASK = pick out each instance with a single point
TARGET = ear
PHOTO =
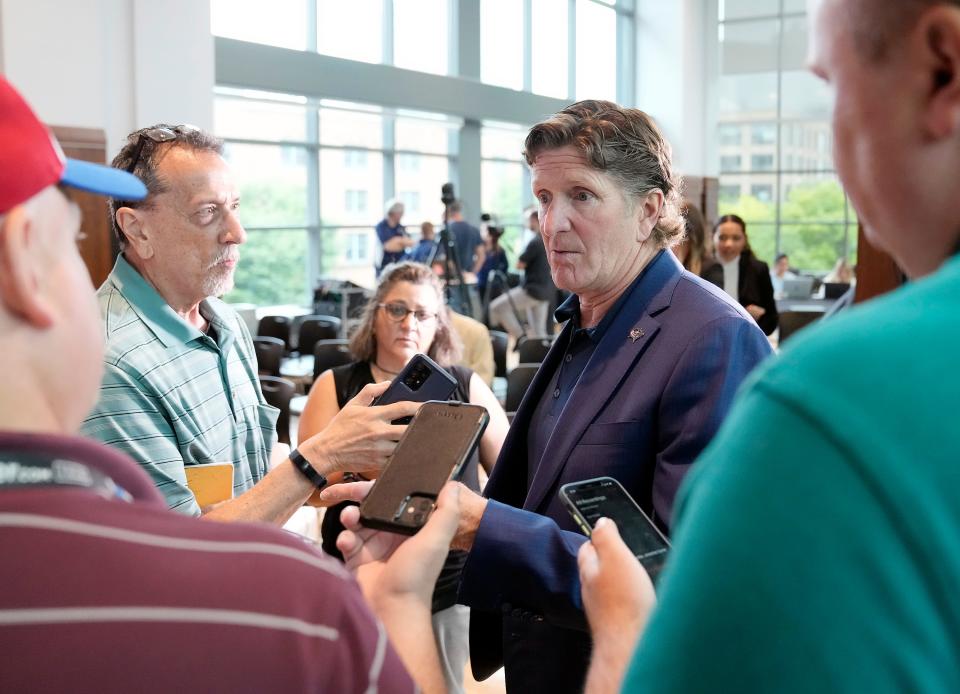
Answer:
(133, 225)
(21, 266)
(648, 213)
(939, 31)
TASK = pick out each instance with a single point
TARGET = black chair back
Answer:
(275, 326)
(518, 380)
(278, 392)
(269, 351)
(792, 321)
(314, 328)
(330, 353)
(532, 350)
(499, 340)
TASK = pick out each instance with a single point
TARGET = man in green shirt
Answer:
(180, 385)
(817, 546)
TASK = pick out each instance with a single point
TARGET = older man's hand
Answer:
(360, 437)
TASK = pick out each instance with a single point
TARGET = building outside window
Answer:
(775, 117)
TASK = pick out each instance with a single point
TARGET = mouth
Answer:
(228, 263)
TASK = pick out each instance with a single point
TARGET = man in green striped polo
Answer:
(181, 385)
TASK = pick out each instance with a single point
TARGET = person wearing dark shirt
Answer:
(427, 246)
(466, 240)
(534, 295)
(496, 260)
(394, 239)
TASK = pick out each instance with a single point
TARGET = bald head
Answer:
(878, 24)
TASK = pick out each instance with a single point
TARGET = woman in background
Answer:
(745, 277)
(407, 316)
(692, 252)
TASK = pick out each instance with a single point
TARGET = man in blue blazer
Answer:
(635, 386)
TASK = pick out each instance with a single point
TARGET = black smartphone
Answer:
(420, 380)
(434, 448)
(590, 500)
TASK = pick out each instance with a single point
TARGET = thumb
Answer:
(442, 524)
(605, 536)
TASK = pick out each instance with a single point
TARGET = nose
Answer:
(233, 231)
(554, 218)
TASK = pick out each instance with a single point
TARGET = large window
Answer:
(313, 179)
(316, 172)
(776, 168)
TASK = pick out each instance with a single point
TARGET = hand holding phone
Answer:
(437, 443)
(604, 497)
(422, 379)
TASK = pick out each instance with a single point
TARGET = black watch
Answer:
(310, 472)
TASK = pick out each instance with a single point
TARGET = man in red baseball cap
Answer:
(104, 589)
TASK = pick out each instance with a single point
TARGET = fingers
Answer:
(347, 491)
(587, 562)
(396, 410)
(349, 543)
(350, 517)
(369, 393)
(607, 541)
(442, 524)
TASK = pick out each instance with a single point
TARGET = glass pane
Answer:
(549, 48)
(752, 196)
(278, 23)
(424, 134)
(807, 198)
(738, 9)
(350, 254)
(753, 147)
(794, 6)
(358, 128)
(418, 181)
(272, 269)
(420, 35)
(596, 51)
(806, 146)
(501, 186)
(502, 142)
(351, 187)
(259, 120)
(501, 43)
(351, 30)
(272, 181)
(749, 47)
(812, 247)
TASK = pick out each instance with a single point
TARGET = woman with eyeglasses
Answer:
(406, 316)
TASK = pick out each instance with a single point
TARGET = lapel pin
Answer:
(636, 334)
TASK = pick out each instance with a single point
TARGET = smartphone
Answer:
(434, 448)
(420, 380)
(590, 500)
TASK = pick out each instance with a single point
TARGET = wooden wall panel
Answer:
(99, 248)
(877, 272)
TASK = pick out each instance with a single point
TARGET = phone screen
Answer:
(595, 499)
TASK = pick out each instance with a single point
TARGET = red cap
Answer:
(31, 159)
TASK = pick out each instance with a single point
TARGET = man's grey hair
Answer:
(624, 143)
(148, 161)
(393, 206)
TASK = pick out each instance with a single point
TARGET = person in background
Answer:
(467, 241)
(781, 271)
(426, 247)
(477, 347)
(407, 316)
(692, 251)
(841, 273)
(495, 260)
(394, 239)
(129, 596)
(533, 296)
(816, 544)
(745, 277)
(180, 382)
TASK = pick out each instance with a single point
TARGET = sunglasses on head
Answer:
(158, 135)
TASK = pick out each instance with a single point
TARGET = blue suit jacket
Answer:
(650, 399)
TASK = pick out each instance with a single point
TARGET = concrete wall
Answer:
(116, 65)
